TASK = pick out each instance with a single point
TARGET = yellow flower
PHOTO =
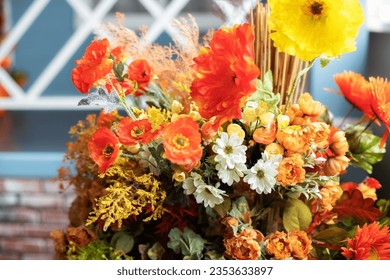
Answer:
(310, 28)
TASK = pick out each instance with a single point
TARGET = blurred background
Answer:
(41, 39)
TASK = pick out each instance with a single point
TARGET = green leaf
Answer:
(331, 235)
(122, 241)
(296, 215)
(188, 242)
(156, 251)
(364, 147)
(324, 61)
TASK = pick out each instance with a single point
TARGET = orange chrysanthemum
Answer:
(182, 143)
(356, 89)
(300, 244)
(93, 66)
(380, 102)
(103, 148)
(245, 245)
(370, 242)
(140, 71)
(131, 132)
(290, 171)
(225, 74)
(278, 245)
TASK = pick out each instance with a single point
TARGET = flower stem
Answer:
(296, 81)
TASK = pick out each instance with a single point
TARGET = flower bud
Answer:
(177, 107)
(283, 121)
(274, 149)
(249, 115)
(235, 128)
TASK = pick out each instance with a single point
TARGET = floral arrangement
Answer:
(221, 153)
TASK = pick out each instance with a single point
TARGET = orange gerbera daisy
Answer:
(140, 71)
(356, 89)
(94, 65)
(182, 143)
(380, 102)
(225, 74)
(103, 148)
(131, 132)
(370, 242)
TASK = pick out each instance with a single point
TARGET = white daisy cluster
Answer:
(207, 194)
(230, 158)
(261, 177)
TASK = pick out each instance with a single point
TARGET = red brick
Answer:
(54, 216)
(41, 200)
(41, 256)
(22, 185)
(11, 230)
(40, 230)
(26, 245)
(26, 214)
(9, 199)
(9, 256)
(52, 186)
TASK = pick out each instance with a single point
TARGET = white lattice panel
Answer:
(90, 18)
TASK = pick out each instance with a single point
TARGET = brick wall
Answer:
(29, 211)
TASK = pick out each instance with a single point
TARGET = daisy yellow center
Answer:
(228, 150)
(315, 9)
(180, 141)
(137, 132)
(108, 150)
(260, 174)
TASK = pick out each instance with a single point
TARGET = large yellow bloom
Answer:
(310, 28)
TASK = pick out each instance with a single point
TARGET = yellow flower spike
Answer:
(283, 121)
(235, 129)
(249, 115)
(177, 107)
(266, 118)
(274, 149)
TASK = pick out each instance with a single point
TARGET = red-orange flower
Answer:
(124, 87)
(225, 74)
(356, 89)
(140, 71)
(131, 132)
(380, 102)
(182, 143)
(370, 242)
(93, 66)
(103, 148)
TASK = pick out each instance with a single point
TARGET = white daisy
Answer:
(229, 176)
(230, 150)
(261, 177)
(209, 195)
(190, 183)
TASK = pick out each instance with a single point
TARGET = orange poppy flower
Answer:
(356, 89)
(140, 71)
(380, 103)
(182, 143)
(94, 65)
(370, 242)
(131, 132)
(125, 87)
(225, 74)
(103, 148)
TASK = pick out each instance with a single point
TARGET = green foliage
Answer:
(332, 235)
(98, 250)
(122, 241)
(188, 243)
(364, 147)
(296, 215)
